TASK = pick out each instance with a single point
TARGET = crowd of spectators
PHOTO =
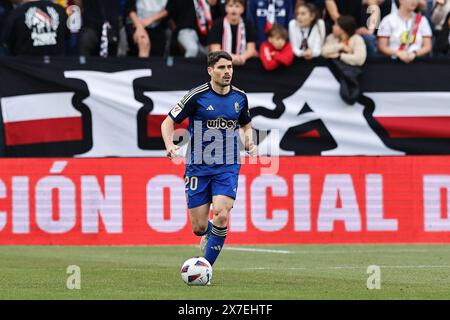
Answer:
(276, 31)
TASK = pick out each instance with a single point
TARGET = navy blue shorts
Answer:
(201, 189)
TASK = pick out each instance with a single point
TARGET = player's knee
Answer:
(199, 230)
(221, 215)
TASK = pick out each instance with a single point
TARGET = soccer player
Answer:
(216, 111)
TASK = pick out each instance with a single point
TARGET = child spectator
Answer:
(443, 41)
(36, 28)
(357, 9)
(263, 14)
(276, 51)
(348, 50)
(146, 32)
(405, 34)
(233, 34)
(344, 44)
(306, 32)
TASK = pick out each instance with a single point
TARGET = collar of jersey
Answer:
(218, 94)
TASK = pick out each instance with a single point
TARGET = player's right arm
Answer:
(177, 114)
(167, 129)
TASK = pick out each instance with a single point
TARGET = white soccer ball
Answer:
(196, 271)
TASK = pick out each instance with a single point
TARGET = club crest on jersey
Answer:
(236, 107)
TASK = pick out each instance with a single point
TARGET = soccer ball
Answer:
(196, 271)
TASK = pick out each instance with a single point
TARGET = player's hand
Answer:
(172, 152)
(252, 150)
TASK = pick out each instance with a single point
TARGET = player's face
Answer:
(222, 72)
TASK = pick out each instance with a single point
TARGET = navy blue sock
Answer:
(215, 243)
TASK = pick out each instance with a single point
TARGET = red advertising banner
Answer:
(141, 201)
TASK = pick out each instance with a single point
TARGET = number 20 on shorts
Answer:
(191, 183)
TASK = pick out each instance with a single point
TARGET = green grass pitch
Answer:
(241, 272)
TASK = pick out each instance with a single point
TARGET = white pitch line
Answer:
(334, 251)
(257, 250)
(345, 267)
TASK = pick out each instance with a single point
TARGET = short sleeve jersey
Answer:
(213, 123)
(397, 31)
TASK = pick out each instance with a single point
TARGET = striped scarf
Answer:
(227, 37)
(203, 13)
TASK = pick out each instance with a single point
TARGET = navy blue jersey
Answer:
(213, 123)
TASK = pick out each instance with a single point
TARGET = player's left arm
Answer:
(249, 145)
(246, 130)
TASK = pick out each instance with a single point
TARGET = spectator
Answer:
(344, 43)
(263, 14)
(276, 51)
(100, 32)
(146, 31)
(391, 6)
(405, 34)
(36, 28)
(357, 9)
(348, 50)
(192, 20)
(441, 8)
(233, 34)
(306, 32)
(443, 41)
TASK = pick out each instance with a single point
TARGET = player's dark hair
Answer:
(214, 57)
(348, 24)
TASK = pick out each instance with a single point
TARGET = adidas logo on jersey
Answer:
(217, 248)
(210, 108)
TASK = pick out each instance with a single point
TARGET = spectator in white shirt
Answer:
(306, 31)
(405, 34)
